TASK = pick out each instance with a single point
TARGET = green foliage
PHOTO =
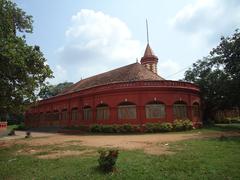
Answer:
(178, 125)
(228, 120)
(28, 134)
(235, 119)
(182, 125)
(218, 76)
(107, 160)
(125, 128)
(13, 19)
(165, 127)
(108, 129)
(158, 127)
(96, 128)
(23, 68)
(21, 127)
(52, 90)
(187, 162)
(12, 132)
(150, 127)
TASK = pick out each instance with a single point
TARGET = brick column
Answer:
(169, 113)
(113, 115)
(141, 115)
(189, 113)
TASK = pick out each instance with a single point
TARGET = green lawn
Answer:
(193, 159)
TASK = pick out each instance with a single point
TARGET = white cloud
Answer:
(60, 74)
(207, 20)
(96, 42)
(168, 68)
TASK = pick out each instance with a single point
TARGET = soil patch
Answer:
(149, 143)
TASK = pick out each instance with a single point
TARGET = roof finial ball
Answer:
(149, 60)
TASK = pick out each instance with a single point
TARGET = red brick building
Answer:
(133, 94)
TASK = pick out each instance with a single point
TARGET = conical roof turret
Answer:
(149, 52)
(149, 57)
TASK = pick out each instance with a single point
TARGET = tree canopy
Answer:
(23, 68)
(218, 75)
(52, 90)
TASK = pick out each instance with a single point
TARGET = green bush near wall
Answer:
(158, 127)
(177, 125)
(182, 125)
(228, 120)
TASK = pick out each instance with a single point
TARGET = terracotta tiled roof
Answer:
(129, 73)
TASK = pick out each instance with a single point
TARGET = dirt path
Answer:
(150, 143)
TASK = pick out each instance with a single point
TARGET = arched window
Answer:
(64, 115)
(127, 110)
(180, 110)
(87, 113)
(196, 110)
(154, 110)
(74, 114)
(102, 112)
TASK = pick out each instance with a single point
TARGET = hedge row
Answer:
(126, 128)
(177, 125)
(228, 120)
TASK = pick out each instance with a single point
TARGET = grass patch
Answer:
(214, 158)
(10, 127)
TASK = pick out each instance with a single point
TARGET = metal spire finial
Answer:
(147, 31)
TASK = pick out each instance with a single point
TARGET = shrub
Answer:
(21, 127)
(182, 125)
(107, 129)
(115, 128)
(149, 127)
(96, 128)
(235, 120)
(165, 127)
(12, 132)
(107, 160)
(128, 128)
(177, 125)
(28, 134)
(136, 128)
(226, 120)
(187, 124)
(125, 128)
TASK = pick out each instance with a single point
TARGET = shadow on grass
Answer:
(98, 170)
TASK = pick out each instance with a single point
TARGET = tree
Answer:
(218, 76)
(52, 90)
(23, 68)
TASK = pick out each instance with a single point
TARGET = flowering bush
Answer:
(125, 128)
(165, 127)
(107, 160)
(158, 127)
(182, 125)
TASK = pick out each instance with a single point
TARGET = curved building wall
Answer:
(153, 101)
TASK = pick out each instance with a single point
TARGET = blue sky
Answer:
(84, 38)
